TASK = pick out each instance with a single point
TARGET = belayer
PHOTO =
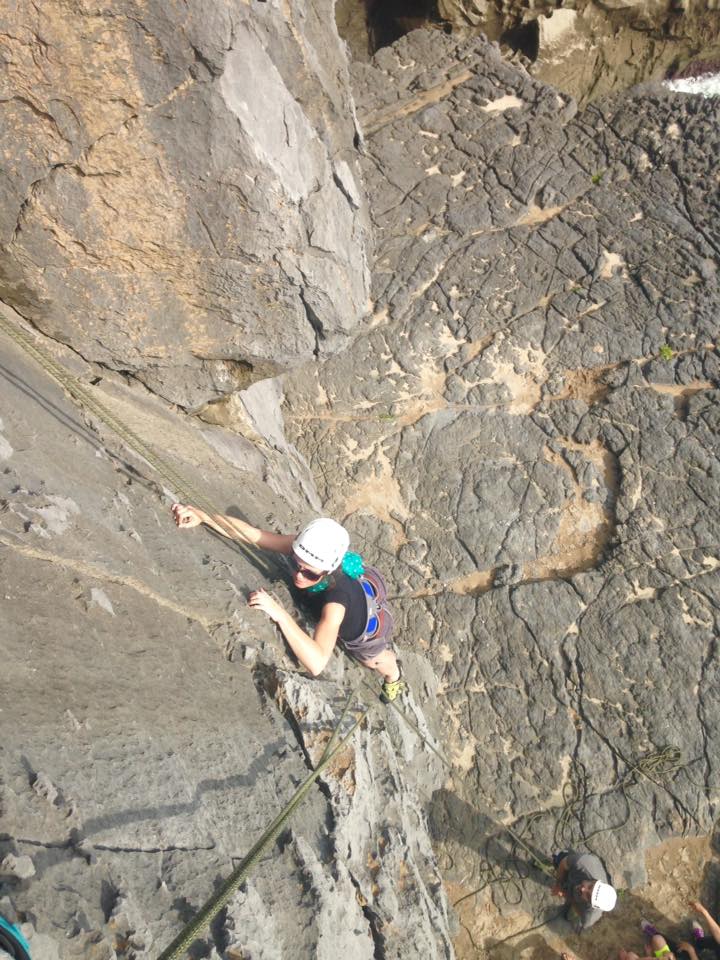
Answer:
(348, 598)
(582, 881)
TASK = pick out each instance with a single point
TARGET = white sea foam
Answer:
(707, 86)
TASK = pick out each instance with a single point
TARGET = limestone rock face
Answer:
(180, 196)
(533, 441)
(158, 725)
(586, 48)
(523, 436)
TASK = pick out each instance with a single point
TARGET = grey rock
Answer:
(8, 910)
(42, 946)
(166, 214)
(508, 574)
(18, 868)
(45, 788)
(519, 291)
(516, 247)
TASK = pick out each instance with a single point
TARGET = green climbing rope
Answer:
(175, 481)
(656, 767)
(215, 904)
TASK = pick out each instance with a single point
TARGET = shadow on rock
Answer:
(533, 945)
(75, 426)
(506, 862)
(264, 562)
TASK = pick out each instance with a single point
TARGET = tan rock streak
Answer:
(93, 572)
(585, 526)
(382, 496)
(375, 120)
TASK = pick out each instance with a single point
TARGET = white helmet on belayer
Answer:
(603, 896)
(322, 544)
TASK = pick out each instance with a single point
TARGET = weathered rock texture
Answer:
(541, 482)
(585, 48)
(592, 49)
(179, 197)
(153, 725)
(523, 436)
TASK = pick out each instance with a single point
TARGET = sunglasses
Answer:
(304, 571)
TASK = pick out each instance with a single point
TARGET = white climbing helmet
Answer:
(603, 896)
(322, 544)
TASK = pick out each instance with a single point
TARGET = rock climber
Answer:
(347, 597)
(582, 881)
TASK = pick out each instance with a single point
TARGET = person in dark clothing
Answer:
(582, 881)
(348, 598)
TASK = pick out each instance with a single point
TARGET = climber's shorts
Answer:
(376, 636)
(368, 647)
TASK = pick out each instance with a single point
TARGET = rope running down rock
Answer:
(655, 767)
(176, 482)
(218, 900)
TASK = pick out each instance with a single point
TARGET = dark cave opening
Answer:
(369, 25)
(388, 20)
(524, 39)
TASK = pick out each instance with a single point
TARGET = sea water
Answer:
(706, 86)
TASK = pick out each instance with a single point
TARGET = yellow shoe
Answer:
(391, 689)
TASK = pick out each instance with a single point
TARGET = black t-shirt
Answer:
(347, 592)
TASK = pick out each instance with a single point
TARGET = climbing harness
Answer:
(373, 618)
(379, 618)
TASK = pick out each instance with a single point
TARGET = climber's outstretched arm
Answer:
(187, 516)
